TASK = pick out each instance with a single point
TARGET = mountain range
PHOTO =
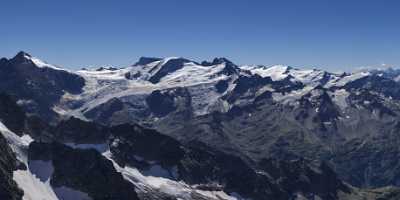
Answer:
(173, 128)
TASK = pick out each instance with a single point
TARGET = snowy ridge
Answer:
(35, 180)
(133, 84)
(275, 72)
(192, 74)
(41, 64)
(338, 82)
(33, 188)
(18, 144)
(280, 72)
(179, 190)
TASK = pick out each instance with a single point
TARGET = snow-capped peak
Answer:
(42, 64)
(36, 61)
(275, 72)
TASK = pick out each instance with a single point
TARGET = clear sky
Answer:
(329, 34)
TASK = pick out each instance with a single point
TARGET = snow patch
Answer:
(339, 97)
(18, 144)
(292, 96)
(276, 72)
(33, 188)
(339, 82)
(179, 190)
(41, 64)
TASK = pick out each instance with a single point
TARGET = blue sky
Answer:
(335, 35)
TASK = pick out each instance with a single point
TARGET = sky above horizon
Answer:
(340, 35)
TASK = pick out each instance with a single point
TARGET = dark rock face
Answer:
(372, 164)
(364, 157)
(107, 68)
(81, 132)
(146, 60)
(8, 163)
(217, 61)
(324, 111)
(11, 114)
(39, 129)
(196, 163)
(222, 86)
(200, 166)
(168, 67)
(107, 109)
(321, 181)
(71, 130)
(83, 170)
(164, 149)
(116, 111)
(12, 117)
(39, 87)
(161, 103)
(229, 69)
(246, 87)
(286, 85)
(375, 102)
(377, 84)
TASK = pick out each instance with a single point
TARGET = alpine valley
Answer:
(177, 129)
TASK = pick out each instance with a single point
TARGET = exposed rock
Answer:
(11, 114)
(83, 170)
(8, 163)
(42, 87)
(146, 60)
(195, 163)
(170, 66)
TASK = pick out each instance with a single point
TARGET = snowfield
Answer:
(180, 190)
(104, 84)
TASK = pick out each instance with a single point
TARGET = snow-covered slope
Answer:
(35, 180)
(33, 187)
(104, 85)
(41, 64)
(280, 72)
(179, 190)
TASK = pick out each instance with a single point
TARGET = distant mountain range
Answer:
(173, 128)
